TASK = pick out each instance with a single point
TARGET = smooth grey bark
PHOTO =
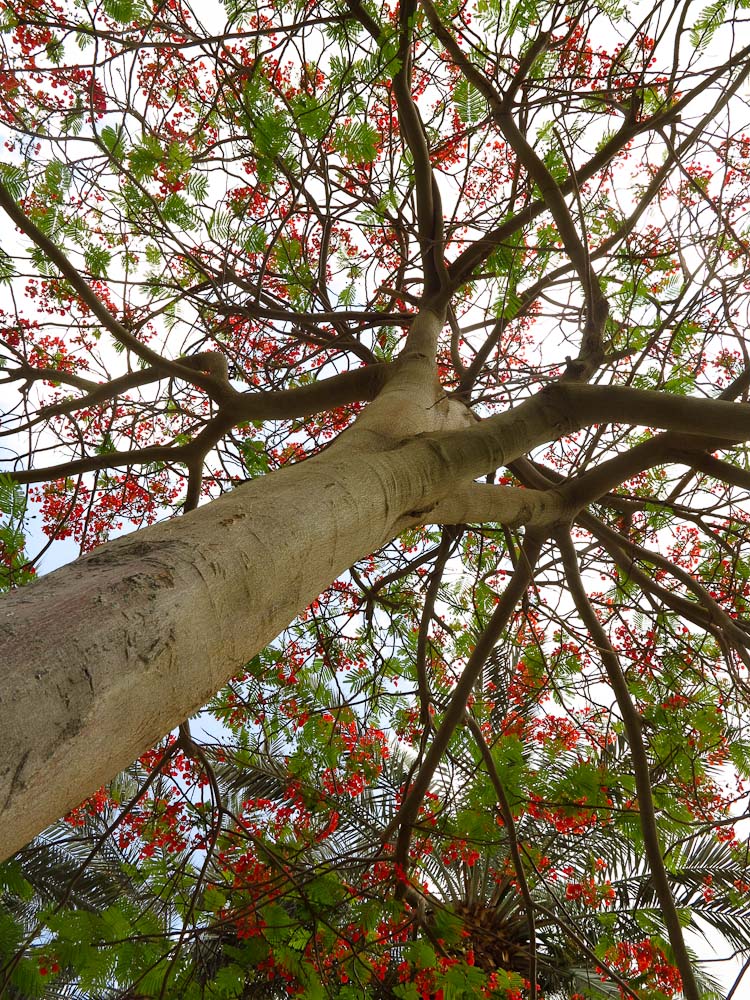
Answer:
(103, 657)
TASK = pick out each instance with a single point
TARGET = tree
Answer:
(440, 310)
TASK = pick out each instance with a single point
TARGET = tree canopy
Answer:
(386, 364)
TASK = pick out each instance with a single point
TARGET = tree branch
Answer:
(454, 713)
(512, 506)
(447, 542)
(463, 266)
(633, 730)
(213, 386)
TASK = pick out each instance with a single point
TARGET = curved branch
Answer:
(717, 469)
(669, 446)
(707, 613)
(186, 453)
(633, 730)
(562, 408)
(28, 373)
(511, 506)
(429, 203)
(406, 817)
(361, 384)
(463, 266)
(284, 404)
(447, 542)
(213, 386)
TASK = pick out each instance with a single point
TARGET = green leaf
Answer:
(214, 900)
(422, 954)
(12, 497)
(73, 122)
(98, 260)
(57, 177)
(55, 51)
(255, 240)
(271, 134)
(175, 209)
(710, 19)
(313, 119)
(254, 457)
(197, 186)
(11, 933)
(7, 267)
(14, 179)
(326, 889)
(470, 104)
(230, 981)
(113, 140)
(357, 142)
(509, 304)
(122, 11)
(145, 157)
(153, 254)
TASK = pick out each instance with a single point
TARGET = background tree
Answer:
(499, 748)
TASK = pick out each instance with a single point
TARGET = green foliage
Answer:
(470, 104)
(98, 260)
(270, 133)
(178, 211)
(14, 569)
(357, 142)
(711, 18)
(55, 50)
(254, 457)
(14, 178)
(144, 158)
(312, 116)
(122, 11)
(7, 267)
(114, 141)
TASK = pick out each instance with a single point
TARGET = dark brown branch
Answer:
(182, 454)
(717, 469)
(562, 408)
(448, 539)
(462, 268)
(429, 203)
(361, 384)
(633, 729)
(669, 446)
(284, 404)
(706, 613)
(121, 334)
(454, 713)
(103, 392)
(29, 373)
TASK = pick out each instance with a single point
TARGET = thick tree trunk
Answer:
(104, 656)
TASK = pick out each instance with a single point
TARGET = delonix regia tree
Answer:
(429, 320)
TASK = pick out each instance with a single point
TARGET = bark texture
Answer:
(104, 656)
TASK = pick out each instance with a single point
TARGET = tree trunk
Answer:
(104, 656)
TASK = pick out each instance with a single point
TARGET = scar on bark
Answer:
(16, 779)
